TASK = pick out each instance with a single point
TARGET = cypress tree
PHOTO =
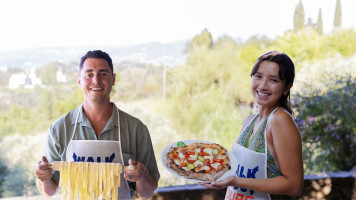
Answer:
(299, 17)
(319, 25)
(337, 16)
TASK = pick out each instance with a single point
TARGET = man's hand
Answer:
(135, 175)
(43, 170)
(44, 181)
(145, 183)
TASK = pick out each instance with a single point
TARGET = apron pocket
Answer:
(127, 157)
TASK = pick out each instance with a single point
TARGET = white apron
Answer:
(251, 164)
(99, 151)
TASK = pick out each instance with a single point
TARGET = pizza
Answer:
(201, 161)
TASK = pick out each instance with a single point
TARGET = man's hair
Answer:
(96, 54)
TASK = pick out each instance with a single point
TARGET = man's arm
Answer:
(44, 182)
(145, 183)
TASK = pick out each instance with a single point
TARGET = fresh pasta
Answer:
(89, 180)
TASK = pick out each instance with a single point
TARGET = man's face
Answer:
(96, 80)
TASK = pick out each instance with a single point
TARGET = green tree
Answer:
(299, 18)
(18, 183)
(4, 171)
(343, 42)
(319, 25)
(10, 120)
(204, 99)
(47, 74)
(202, 40)
(338, 15)
(304, 46)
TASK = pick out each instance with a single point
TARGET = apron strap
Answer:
(265, 134)
(244, 128)
(119, 132)
(76, 121)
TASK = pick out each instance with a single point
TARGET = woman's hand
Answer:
(228, 181)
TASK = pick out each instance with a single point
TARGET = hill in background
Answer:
(171, 54)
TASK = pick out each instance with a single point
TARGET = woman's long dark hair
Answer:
(286, 72)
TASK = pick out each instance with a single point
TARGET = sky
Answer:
(45, 23)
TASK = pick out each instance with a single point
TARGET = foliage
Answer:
(307, 46)
(20, 108)
(3, 172)
(138, 82)
(326, 92)
(203, 40)
(20, 152)
(203, 97)
(207, 116)
(328, 126)
(9, 121)
(343, 41)
(17, 183)
(304, 46)
(48, 74)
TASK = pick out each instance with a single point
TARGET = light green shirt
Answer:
(136, 142)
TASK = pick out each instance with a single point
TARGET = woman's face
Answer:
(267, 87)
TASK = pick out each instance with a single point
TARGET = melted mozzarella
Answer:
(208, 157)
(198, 162)
(205, 168)
(209, 151)
(193, 157)
(216, 165)
(181, 155)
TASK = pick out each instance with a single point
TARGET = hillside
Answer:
(154, 52)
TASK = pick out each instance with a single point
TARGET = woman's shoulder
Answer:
(281, 120)
(281, 114)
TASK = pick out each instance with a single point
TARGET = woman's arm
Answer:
(285, 142)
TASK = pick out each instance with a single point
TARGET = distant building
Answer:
(3, 68)
(27, 80)
(60, 76)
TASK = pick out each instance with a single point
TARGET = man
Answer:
(97, 131)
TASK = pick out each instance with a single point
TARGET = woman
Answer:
(275, 170)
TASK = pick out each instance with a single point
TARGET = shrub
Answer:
(328, 125)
